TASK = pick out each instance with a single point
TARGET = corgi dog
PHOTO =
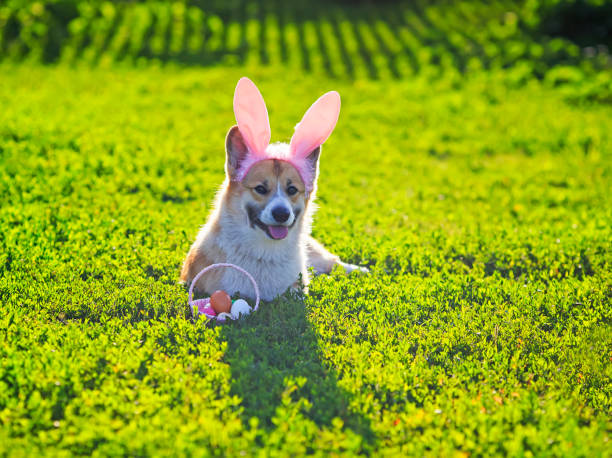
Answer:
(262, 215)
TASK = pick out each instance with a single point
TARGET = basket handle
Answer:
(225, 264)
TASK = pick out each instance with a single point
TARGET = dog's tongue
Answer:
(278, 232)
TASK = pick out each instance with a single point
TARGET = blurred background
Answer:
(556, 39)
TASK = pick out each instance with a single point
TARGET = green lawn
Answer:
(477, 191)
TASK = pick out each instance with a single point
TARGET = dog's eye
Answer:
(261, 189)
(291, 190)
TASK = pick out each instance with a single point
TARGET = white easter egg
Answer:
(240, 307)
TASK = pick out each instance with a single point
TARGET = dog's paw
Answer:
(350, 268)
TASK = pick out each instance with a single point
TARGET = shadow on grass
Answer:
(275, 348)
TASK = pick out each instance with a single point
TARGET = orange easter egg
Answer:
(221, 302)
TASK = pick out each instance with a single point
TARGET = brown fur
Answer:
(269, 173)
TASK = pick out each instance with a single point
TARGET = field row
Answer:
(361, 41)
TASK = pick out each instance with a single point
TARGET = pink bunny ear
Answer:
(316, 125)
(252, 116)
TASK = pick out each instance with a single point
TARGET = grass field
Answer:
(475, 185)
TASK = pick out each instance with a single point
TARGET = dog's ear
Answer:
(236, 152)
(309, 171)
(313, 162)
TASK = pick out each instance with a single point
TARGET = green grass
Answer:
(479, 196)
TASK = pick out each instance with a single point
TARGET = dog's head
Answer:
(273, 183)
(272, 194)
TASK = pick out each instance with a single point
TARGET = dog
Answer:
(263, 212)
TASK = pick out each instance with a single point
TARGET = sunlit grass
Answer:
(470, 170)
(482, 210)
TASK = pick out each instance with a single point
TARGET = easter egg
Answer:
(221, 302)
(240, 307)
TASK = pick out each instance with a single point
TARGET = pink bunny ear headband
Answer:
(252, 118)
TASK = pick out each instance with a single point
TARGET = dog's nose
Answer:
(280, 214)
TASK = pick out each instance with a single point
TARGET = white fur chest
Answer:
(273, 278)
(275, 265)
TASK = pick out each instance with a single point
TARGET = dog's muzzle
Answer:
(281, 222)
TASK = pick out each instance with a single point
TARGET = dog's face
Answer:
(274, 199)
(272, 194)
